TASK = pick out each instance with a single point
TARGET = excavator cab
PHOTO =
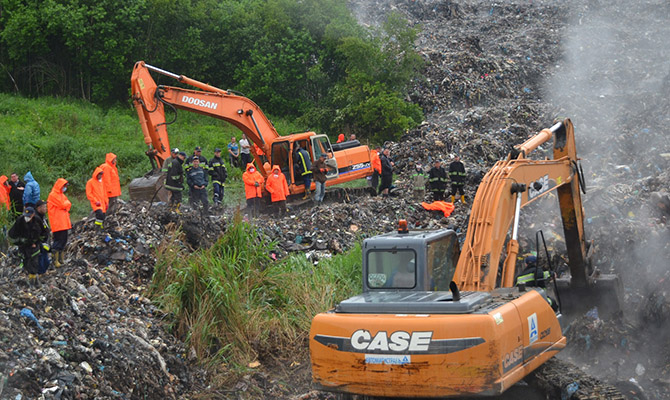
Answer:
(390, 260)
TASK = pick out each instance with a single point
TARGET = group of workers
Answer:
(277, 186)
(438, 178)
(198, 171)
(40, 222)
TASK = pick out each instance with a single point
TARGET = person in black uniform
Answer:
(174, 182)
(217, 170)
(437, 181)
(457, 175)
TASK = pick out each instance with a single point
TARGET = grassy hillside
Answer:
(55, 138)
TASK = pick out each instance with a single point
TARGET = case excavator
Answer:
(346, 161)
(438, 321)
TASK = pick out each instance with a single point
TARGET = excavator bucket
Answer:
(605, 293)
(149, 187)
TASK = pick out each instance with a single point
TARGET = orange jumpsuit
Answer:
(58, 207)
(110, 176)
(4, 194)
(95, 192)
(277, 187)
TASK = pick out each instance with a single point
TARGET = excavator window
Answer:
(280, 153)
(441, 262)
(391, 269)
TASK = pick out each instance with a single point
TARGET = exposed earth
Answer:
(496, 73)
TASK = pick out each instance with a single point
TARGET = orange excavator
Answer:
(346, 161)
(436, 321)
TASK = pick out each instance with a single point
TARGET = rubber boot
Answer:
(61, 257)
(56, 259)
(453, 199)
(33, 281)
(463, 199)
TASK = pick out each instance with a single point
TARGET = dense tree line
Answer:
(303, 59)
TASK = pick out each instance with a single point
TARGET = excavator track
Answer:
(562, 380)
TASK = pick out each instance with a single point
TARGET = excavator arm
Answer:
(509, 186)
(150, 101)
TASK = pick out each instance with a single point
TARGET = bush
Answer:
(232, 301)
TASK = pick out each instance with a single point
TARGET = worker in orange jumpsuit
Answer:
(376, 164)
(96, 194)
(110, 179)
(277, 186)
(58, 206)
(4, 192)
(253, 188)
(340, 138)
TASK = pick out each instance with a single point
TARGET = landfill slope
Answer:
(89, 332)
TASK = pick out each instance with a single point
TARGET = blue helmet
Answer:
(530, 260)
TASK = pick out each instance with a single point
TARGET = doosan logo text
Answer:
(199, 102)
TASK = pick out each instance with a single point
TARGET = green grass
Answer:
(232, 301)
(56, 138)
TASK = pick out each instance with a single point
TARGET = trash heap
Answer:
(88, 332)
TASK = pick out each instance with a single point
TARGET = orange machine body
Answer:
(482, 352)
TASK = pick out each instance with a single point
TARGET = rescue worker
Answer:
(319, 170)
(17, 187)
(277, 186)
(196, 178)
(387, 172)
(197, 153)
(304, 167)
(4, 193)
(437, 181)
(457, 175)
(45, 235)
(419, 182)
(174, 182)
(529, 276)
(110, 180)
(352, 137)
(97, 196)
(31, 192)
(534, 276)
(376, 164)
(168, 161)
(58, 206)
(26, 233)
(253, 188)
(217, 170)
(340, 138)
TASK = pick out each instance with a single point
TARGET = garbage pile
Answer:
(88, 332)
